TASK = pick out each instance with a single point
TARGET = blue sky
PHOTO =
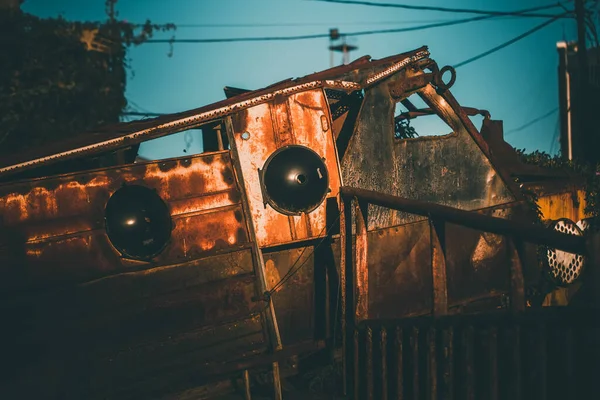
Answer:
(516, 84)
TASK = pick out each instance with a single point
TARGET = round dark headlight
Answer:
(138, 222)
(295, 180)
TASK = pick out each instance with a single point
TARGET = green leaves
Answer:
(590, 173)
(62, 78)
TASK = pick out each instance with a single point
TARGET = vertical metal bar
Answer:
(276, 382)
(219, 137)
(468, 337)
(438, 266)
(321, 322)
(542, 361)
(493, 360)
(414, 342)
(517, 286)
(516, 367)
(246, 378)
(369, 363)
(570, 363)
(356, 365)
(361, 261)
(400, 365)
(448, 364)
(432, 387)
(257, 256)
(347, 293)
(593, 278)
(384, 367)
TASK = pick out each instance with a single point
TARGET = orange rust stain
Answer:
(272, 275)
(197, 234)
(33, 253)
(57, 228)
(305, 112)
(197, 204)
(67, 199)
(270, 226)
(196, 179)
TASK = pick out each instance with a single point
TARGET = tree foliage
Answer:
(591, 174)
(60, 78)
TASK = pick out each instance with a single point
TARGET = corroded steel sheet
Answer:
(53, 229)
(300, 119)
(400, 279)
(570, 204)
(157, 321)
(238, 277)
(294, 299)
(450, 170)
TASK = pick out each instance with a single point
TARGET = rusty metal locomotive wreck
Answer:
(130, 279)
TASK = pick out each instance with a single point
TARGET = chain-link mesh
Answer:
(565, 267)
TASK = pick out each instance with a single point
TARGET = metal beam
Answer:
(518, 230)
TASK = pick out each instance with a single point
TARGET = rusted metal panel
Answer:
(309, 113)
(261, 130)
(477, 266)
(497, 224)
(294, 300)
(157, 321)
(400, 279)
(270, 226)
(569, 204)
(362, 261)
(54, 228)
(450, 169)
(438, 264)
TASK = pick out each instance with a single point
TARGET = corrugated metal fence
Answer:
(543, 354)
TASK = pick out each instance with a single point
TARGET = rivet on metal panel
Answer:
(324, 123)
(245, 135)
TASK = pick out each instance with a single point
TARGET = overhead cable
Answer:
(533, 121)
(506, 44)
(452, 10)
(326, 35)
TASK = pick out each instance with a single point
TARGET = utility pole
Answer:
(585, 132)
(343, 48)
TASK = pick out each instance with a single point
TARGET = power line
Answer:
(283, 24)
(241, 39)
(506, 44)
(445, 9)
(533, 121)
(326, 35)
